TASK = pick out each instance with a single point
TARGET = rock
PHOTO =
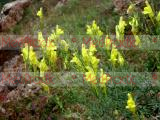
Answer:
(12, 13)
(122, 5)
(3, 88)
(2, 110)
(11, 75)
(23, 91)
(60, 4)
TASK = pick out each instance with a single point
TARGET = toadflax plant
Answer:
(131, 106)
(43, 67)
(148, 11)
(158, 18)
(29, 54)
(116, 58)
(152, 15)
(103, 81)
(40, 15)
(134, 23)
(88, 64)
(94, 30)
(120, 29)
(88, 58)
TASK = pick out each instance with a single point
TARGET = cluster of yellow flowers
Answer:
(134, 24)
(88, 58)
(40, 13)
(158, 18)
(116, 57)
(89, 64)
(120, 29)
(56, 34)
(91, 76)
(49, 47)
(43, 67)
(148, 11)
(131, 104)
(103, 80)
(29, 54)
(94, 30)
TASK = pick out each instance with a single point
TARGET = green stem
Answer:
(135, 116)
(152, 21)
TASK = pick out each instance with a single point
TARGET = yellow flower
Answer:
(131, 104)
(90, 75)
(29, 54)
(25, 54)
(32, 57)
(114, 55)
(45, 87)
(88, 58)
(94, 62)
(121, 59)
(85, 55)
(131, 8)
(59, 31)
(148, 10)
(51, 52)
(138, 41)
(92, 49)
(120, 29)
(134, 24)
(103, 78)
(43, 67)
(41, 40)
(53, 57)
(121, 25)
(108, 42)
(158, 17)
(40, 13)
(94, 29)
(56, 34)
(51, 46)
(76, 60)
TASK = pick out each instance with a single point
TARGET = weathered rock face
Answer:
(12, 13)
(121, 5)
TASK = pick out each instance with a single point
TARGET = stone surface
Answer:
(121, 5)
(12, 13)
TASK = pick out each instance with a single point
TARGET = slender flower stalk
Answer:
(103, 81)
(120, 29)
(134, 24)
(116, 57)
(148, 11)
(131, 106)
(43, 67)
(131, 8)
(40, 15)
(94, 30)
(91, 78)
(158, 18)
